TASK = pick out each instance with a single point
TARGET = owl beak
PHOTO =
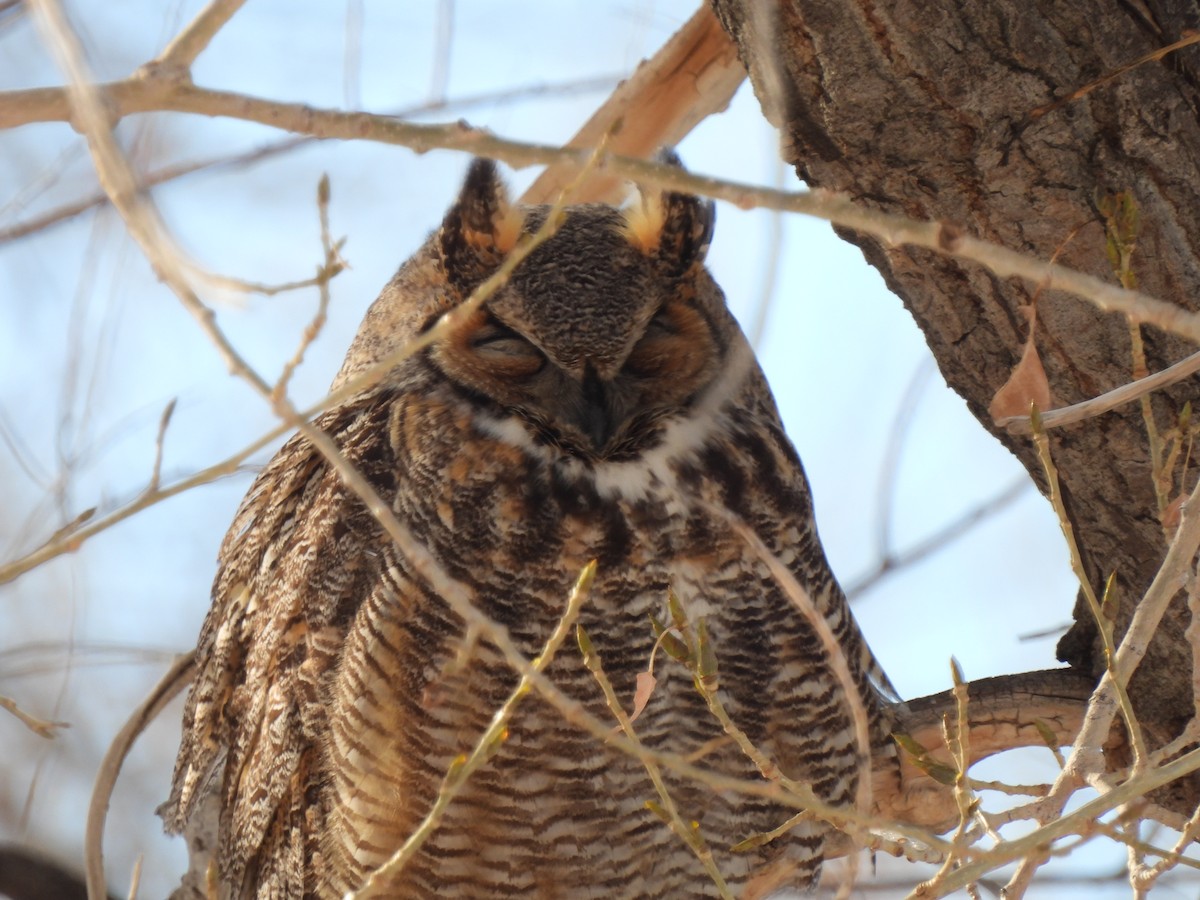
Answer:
(596, 419)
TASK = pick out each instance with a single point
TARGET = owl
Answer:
(600, 405)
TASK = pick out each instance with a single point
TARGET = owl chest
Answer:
(516, 534)
(492, 512)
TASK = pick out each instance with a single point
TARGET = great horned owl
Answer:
(602, 404)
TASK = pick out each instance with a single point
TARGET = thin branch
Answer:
(71, 537)
(1126, 393)
(163, 422)
(144, 94)
(939, 540)
(332, 265)
(117, 179)
(178, 677)
(41, 727)
(1086, 757)
(1190, 37)
(667, 809)
(380, 882)
(191, 42)
(898, 435)
(957, 737)
(1078, 821)
(835, 654)
(32, 658)
(1100, 612)
(276, 148)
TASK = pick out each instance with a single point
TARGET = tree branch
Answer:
(693, 75)
(190, 43)
(143, 93)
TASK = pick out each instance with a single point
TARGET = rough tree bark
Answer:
(939, 111)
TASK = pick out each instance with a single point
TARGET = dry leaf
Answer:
(1026, 385)
(641, 696)
(1173, 513)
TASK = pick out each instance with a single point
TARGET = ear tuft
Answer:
(675, 229)
(481, 227)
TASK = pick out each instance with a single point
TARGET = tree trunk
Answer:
(938, 111)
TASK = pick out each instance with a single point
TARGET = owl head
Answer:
(604, 332)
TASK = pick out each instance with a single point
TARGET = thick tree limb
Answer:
(1003, 118)
(692, 76)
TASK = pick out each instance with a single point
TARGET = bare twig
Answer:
(146, 94)
(1099, 610)
(135, 878)
(32, 658)
(666, 809)
(332, 265)
(380, 882)
(835, 654)
(893, 561)
(957, 733)
(172, 683)
(40, 727)
(156, 471)
(190, 43)
(1079, 820)
(272, 149)
(1086, 757)
(1189, 38)
(71, 537)
(1126, 393)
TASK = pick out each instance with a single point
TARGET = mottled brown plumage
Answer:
(602, 404)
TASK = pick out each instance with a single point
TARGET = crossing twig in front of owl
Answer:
(379, 882)
(702, 664)
(148, 93)
(957, 735)
(666, 809)
(701, 661)
(66, 212)
(837, 658)
(161, 88)
(68, 542)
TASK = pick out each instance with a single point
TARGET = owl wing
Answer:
(786, 524)
(808, 727)
(300, 556)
